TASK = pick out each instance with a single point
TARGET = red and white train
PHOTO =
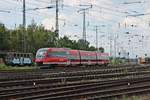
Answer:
(65, 57)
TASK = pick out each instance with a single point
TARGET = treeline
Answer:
(34, 37)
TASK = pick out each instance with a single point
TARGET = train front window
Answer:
(41, 53)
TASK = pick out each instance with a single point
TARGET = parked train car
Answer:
(65, 57)
(143, 60)
(19, 59)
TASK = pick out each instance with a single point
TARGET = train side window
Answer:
(15, 55)
(27, 55)
(57, 54)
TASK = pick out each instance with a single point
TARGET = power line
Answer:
(136, 15)
(109, 13)
(5, 11)
(28, 3)
(134, 2)
(33, 9)
(110, 9)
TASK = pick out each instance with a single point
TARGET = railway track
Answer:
(73, 78)
(90, 84)
(88, 89)
(63, 71)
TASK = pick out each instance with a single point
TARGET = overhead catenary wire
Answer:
(111, 9)
(41, 14)
(5, 11)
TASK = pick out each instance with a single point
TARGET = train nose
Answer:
(39, 60)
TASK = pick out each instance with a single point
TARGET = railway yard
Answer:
(74, 50)
(80, 83)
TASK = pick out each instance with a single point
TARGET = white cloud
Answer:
(49, 23)
(70, 23)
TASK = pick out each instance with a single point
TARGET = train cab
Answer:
(41, 56)
(52, 56)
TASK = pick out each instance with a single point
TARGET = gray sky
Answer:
(109, 15)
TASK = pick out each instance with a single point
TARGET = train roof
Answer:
(73, 50)
(54, 49)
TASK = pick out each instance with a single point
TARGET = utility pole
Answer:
(84, 25)
(24, 14)
(96, 37)
(115, 37)
(96, 31)
(57, 23)
(24, 27)
(83, 11)
(110, 45)
(56, 18)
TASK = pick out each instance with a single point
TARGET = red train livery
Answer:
(65, 56)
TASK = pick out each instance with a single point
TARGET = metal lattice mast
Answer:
(24, 27)
(84, 20)
(57, 22)
(24, 13)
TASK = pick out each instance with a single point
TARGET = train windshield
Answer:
(57, 54)
(41, 53)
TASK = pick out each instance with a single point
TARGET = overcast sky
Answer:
(112, 17)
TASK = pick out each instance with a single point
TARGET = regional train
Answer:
(69, 57)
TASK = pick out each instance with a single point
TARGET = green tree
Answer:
(38, 37)
(68, 43)
(4, 38)
(92, 48)
(35, 37)
(101, 49)
(83, 45)
(79, 45)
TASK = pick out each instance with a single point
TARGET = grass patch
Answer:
(17, 68)
(116, 61)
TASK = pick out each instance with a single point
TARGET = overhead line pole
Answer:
(57, 23)
(24, 27)
(84, 20)
(24, 13)
(96, 37)
(84, 26)
(96, 30)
